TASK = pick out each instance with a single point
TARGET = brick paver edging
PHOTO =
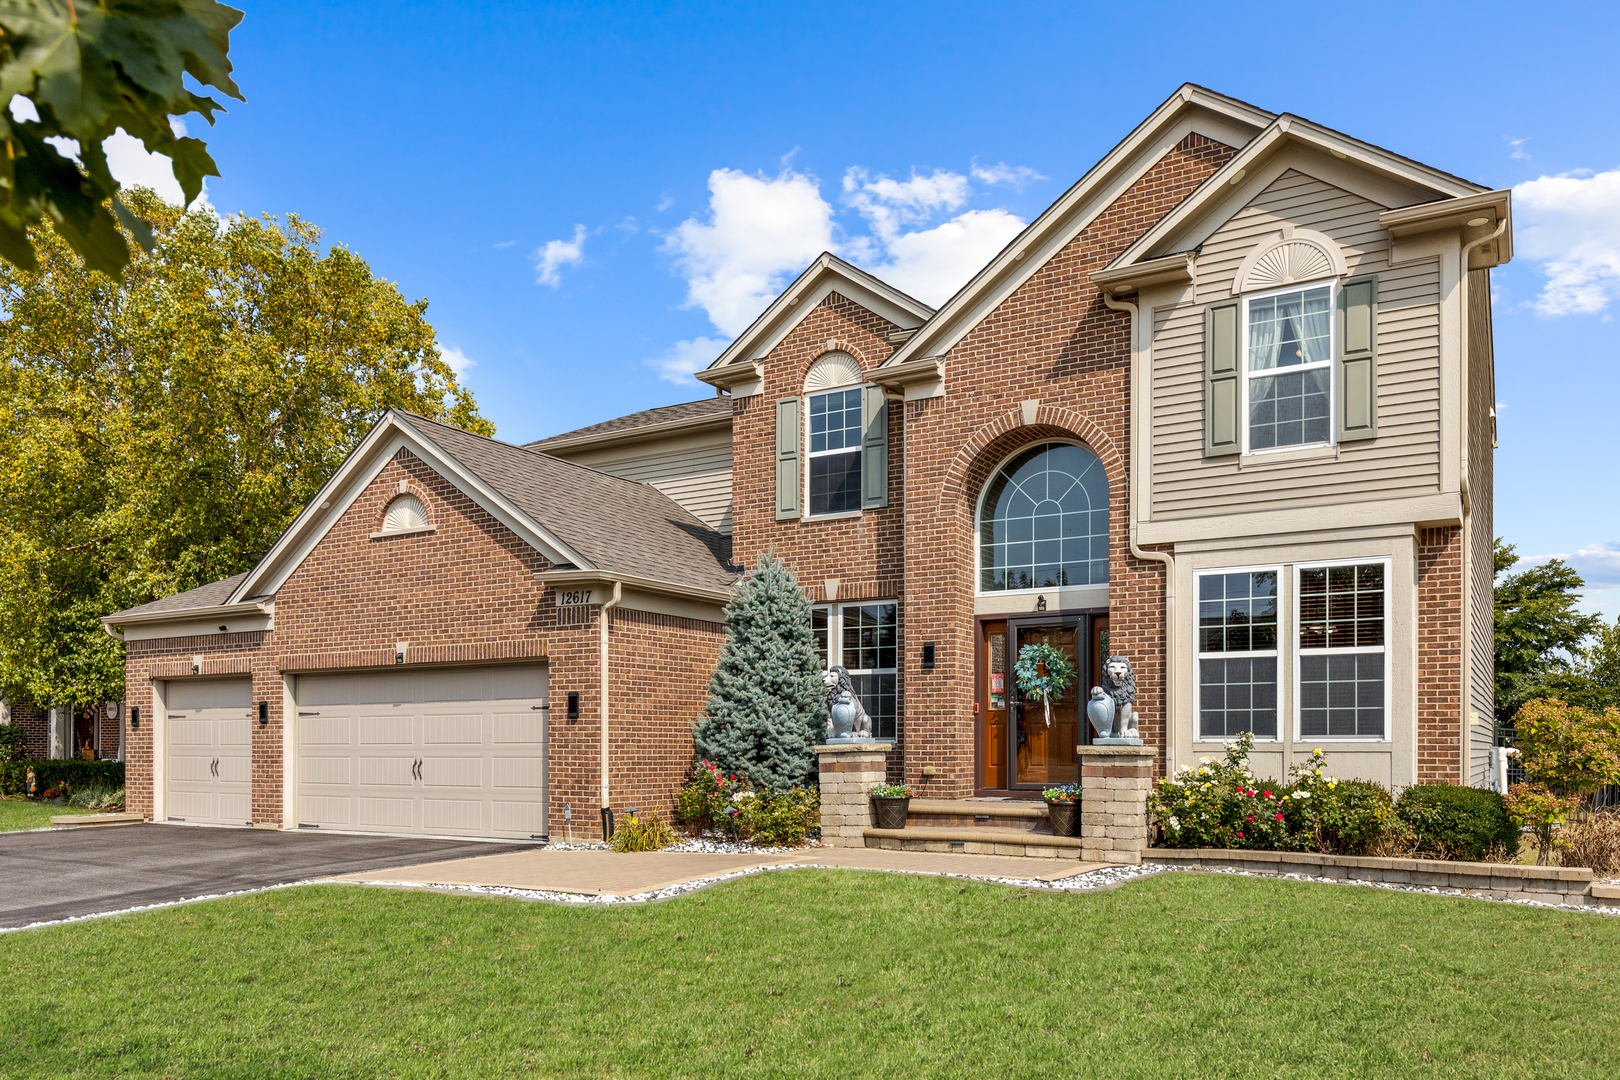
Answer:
(1569, 886)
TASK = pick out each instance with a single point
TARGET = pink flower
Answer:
(1279, 817)
(1248, 819)
(1268, 794)
(1240, 836)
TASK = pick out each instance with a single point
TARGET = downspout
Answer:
(1139, 421)
(1465, 391)
(602, 634)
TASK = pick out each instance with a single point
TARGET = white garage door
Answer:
(210, 751)
(458, 751)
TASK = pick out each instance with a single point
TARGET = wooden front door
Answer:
(1019, 746)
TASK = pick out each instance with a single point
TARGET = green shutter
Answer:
(787, 459)
(874, 448)
(1222, 373)
(1358, 359)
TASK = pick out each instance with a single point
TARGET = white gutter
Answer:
(1466, 680)
(602, 633)
(249, 607)
(1140, 417)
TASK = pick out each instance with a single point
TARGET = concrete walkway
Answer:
(609, 873)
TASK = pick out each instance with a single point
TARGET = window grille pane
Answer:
(1289, 410)
(1341, 696)
(1045, 521)
(879, 699)
(1341, 607)
(835, 420)
(835, 483)
(1290, 329)
(1237, 694)
(871, 637)
(1237, 612)
(819, 618)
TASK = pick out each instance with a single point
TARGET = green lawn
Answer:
(823, 974)
(27, 814)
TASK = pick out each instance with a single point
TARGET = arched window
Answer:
(405, 514)
(1043, 522)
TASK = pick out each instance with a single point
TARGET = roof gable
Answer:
(573, 515)
(1191, 109)
(1288, 142)
(736, 366)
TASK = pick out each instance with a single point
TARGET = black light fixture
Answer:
(135, 716)
(607, 823)
(264, 713)
(1040, 603)
(573, 704)
(928, 655)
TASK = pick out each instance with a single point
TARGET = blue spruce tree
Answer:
(767, 707)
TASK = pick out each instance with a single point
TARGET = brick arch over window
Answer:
(836, 345)
(998, 439)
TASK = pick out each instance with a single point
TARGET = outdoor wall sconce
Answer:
(264, 713)
(573, 704)
(1040, 603)
(196, 669)
(135, 716)
(928, 656)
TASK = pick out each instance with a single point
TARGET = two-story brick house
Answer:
(1225, 409)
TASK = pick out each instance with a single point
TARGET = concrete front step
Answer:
(86, 821)
(1019, 815)
(974, 840)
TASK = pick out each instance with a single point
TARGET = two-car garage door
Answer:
(456, 751)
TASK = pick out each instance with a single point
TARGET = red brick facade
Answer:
(465, 593)
(1439, 630)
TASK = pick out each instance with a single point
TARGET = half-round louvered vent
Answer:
(405, 513)
(833, 369)
(1302, 255)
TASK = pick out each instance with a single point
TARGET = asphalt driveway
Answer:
(60, 874)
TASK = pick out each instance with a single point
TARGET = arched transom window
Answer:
(1043, 522)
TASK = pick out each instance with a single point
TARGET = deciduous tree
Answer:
(1538, 630)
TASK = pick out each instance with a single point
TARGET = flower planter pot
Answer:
(1065, 818)
(891, 813)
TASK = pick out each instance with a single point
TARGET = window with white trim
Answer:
(1288, 366)
(835, 451)
(1343, 635)
(1237, 653)
(865, 639)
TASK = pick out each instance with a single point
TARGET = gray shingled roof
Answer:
(620, 525)
(665, 414)
(211, 595)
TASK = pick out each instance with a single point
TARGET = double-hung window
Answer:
(1237, 653)
(1288, 368)
(1343, 634)
(835, 451)
(865, 640)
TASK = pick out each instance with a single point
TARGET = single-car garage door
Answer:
(455, 751)
(210, 751)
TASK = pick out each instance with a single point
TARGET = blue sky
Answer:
(594, 199)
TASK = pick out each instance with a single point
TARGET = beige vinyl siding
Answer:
(1481, 527)
(692, 469)
(1404, 460)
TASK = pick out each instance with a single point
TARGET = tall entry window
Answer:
(1043, 522)
(865, 639)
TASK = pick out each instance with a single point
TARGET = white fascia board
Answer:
(825, 275)
(1284, 131)
(1191, 109)
(1440, 508)
(375, 451)
(648, 432)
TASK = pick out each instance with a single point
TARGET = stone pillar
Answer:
(1114, 786)
(849, 770)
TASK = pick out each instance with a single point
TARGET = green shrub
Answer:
(72, 773)
(705, 797)
(97, 798)
(1220, 804)
(642, 832)
(13, 742)
(1452, 822)
(781, 818)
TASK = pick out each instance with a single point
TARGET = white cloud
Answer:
(665, 201)
(761, 230)
(557, 254)
(890, 204)
(459, 361)
(931, 264)
(1019, 176)
(1571, 225)
(1516, 149)
(504, 244)
(127, 158)
(680, 360)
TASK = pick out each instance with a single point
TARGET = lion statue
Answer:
(846, 718)
(1119, 683)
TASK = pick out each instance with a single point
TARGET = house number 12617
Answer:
(573, 597)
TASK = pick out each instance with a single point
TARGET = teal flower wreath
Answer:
(1043, 672)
